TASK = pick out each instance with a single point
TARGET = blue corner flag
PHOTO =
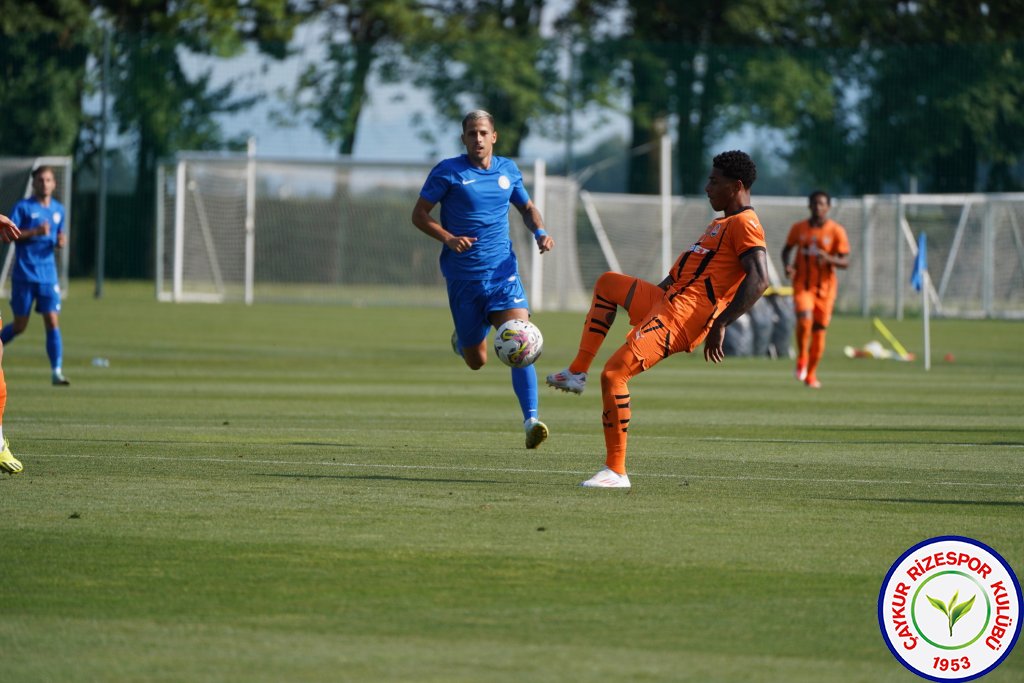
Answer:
(920, 264)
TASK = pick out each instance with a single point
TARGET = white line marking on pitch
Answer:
(814, 442)
(514, 470)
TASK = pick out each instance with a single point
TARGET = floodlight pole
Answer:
(250, 220)
(101, 199)
(540, 192)
(665, 190)
(926, 282)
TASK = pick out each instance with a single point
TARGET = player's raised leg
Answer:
(610, 291)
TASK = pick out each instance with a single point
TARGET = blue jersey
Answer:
(475, 203)
(33, 257)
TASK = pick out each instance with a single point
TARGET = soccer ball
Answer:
(518, 343)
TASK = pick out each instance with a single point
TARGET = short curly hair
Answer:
(736, 165)
(820, 193)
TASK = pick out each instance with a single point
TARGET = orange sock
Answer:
(817, 349)
(615, 402)
(611, 291)
(803, 338)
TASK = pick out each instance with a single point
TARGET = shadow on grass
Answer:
(383, 477)
(925, 501)
(878, 441)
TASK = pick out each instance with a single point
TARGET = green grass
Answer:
(310, 493)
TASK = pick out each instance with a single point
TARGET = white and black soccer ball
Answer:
(518, 343)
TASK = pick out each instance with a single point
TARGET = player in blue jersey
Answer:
(8, 463)
(41, 219)
(477, 261)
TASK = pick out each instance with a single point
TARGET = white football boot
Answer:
(607, 479)
(565, 380)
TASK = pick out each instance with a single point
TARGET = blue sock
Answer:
(54, 348)
(524, 383)
(7, 334)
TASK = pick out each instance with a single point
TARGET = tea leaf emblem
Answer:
(953, 611)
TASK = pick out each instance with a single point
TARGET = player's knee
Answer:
(475, 362)
(612, 377)
(610, 280)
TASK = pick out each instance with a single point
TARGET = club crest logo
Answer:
(504, 183)
(949, 609)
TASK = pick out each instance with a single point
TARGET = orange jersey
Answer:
(705, 278)
(809, 241)
(711, 268)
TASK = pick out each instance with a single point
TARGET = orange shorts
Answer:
(820, 307)
(671, 327)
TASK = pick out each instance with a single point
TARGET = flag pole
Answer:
(926, 307)
(920, 281)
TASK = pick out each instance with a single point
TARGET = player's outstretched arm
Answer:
(8, 230)
(750, 290)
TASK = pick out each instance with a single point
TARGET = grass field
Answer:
(308, 493)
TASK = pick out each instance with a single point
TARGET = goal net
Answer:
(247, 229)
(250, 229)
(16, 184)
(975, 246)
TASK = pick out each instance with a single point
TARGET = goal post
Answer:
(976, 246)
(16, 184)
(248, 229)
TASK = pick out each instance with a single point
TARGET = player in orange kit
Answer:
(8, 463)
(711, 284)
(821, 246)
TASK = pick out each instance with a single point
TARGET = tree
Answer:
(43, 54)
(487, 54)
(683, 62)
(865, 94)
(356, 35)
(879, 93)
(156, 100)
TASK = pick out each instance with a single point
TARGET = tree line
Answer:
(859, 96)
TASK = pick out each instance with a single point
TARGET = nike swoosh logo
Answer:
(518, 301)
(467, 182)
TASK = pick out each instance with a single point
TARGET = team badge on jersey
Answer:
(504, 183)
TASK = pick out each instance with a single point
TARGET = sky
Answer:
(385, 130)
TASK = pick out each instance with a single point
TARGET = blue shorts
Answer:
(471, 301)
(46, 296)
